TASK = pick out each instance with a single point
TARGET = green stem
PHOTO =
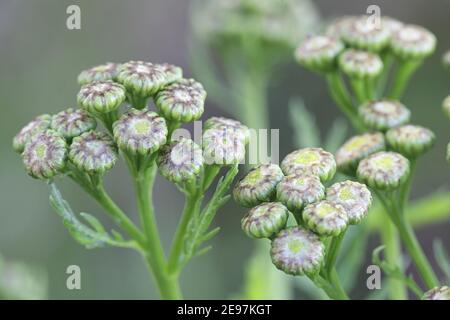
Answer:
(358, 86)
(331, 287)
(404, 72)
(191, 206)
(383, 79)
(169, 288)
(334, 280)
(333, 251)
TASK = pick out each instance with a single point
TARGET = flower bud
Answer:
(297, 251)
(34, 127)
(357, 148)
(101, 96)
(173, 73)
(438, 293)
(446, 106)
(446, 60)
(180, 161)
(326, 218)
(73, 122)
(360, 64)
(93, 152)
(221, 122)
(140, 132)
(319, 53)
(314, 161)
(181, 101)
(413, 42)
(265, 220)
(410, 140)
(354, 197)
(298, 190)
(362, 33)
(258, 185)
(102, 72)
(223, 146)
(337, 27)
(383, 170)
(45, 155)
(393, 25)
(384, 114)
(142, 79)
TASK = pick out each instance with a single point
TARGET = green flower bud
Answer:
(354, 197)
(142, 79)
(140, 132)
(360, 64)
(438, 293)
(357, 148)
(298, 190)
(73, 122)
(337, 27)
(173, 73)
(314, 161)
(45, 155)
(265, 220)
(258, 185)
(102, 72)
(93, 152)
(384, 170)
(221, 122)
(297, 251)
(326, 218)
(391, 24)
(181, 101)
(410, 140)
(101, 96)
(363, 34)
(384, 114)
(319, 53)
(446, 106)
(223, 146)
(413, 42)
(34, 127)
(180, 161)
(446, 60)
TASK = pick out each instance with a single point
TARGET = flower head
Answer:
(265, 220)
(297, 251)
(363, 33)
(383, 170)
(258, 185)
(357, 148)
(410, 140)
(354, 197)
(102, 72)
(298, 190)
(221, 122)
(35, 126)
(438, 293)
(140, 131)
(384, 114)
(223, 146)
(73, 122)
(93, 152)
(101, 96)
(181, 101)
(314, 161)
(413, 41)
(173, 73)
(319, 53)
(392, 24)
(180, 161)
(337, 27)
(446, 106)
(45, 155)
(142, 79)
(360, 64)
(326, 218)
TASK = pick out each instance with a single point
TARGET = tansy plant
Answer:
(356, 56)
(70, 145)
(304, 220)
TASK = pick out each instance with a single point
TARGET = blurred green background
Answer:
(40, 59)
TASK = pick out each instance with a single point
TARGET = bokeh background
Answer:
(39, 61)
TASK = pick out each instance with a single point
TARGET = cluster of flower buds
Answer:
(297, 187)
(439, 293)
(70, 139)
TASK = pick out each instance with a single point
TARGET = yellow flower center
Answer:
(295, 246)
(307, 157)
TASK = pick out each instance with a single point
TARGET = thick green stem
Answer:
(404, 73)
(331, 286)
(358, 86)
(333, 251)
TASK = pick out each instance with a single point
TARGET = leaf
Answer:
(442, 258)
(93, 221)
(306, 132)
